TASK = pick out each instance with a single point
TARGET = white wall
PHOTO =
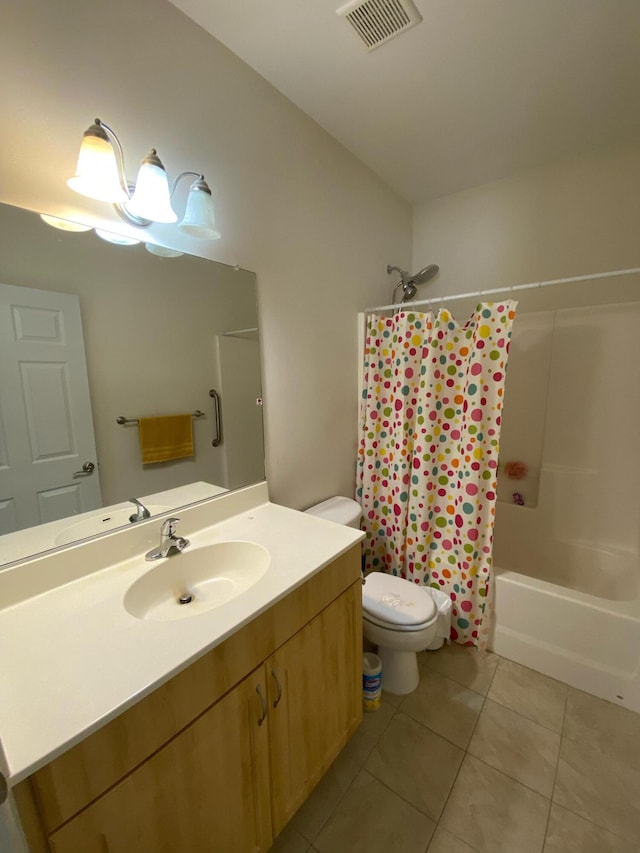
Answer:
(293, 205)
(573, 218)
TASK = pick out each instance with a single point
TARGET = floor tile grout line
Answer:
(507, 776)
(486, 763)
(461, 683)
(404, 799)
(466, 750)
(524, 716)
(350, 785)
(555, 775)
(597, 825)
(434, 732)
(566, 808)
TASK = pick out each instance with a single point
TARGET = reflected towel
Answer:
(162, 439)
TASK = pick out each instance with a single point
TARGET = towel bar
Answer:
(122, 420)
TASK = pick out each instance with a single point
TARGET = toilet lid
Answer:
(397, 601)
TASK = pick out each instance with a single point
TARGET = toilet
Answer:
(400, 617)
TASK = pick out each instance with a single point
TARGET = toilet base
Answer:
(399, 670)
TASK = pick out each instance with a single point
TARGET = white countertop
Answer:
(24, 544)
(73, 658)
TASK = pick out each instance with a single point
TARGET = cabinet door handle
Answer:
(263, 705)
(279, 686)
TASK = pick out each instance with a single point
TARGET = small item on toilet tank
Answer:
(517, 499)
(371, 681)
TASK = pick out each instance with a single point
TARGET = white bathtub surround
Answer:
(428, 456)
(78, 658)
(568, 583)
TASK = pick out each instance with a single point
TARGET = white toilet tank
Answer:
(339, 509)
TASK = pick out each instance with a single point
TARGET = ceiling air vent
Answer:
(377, 21)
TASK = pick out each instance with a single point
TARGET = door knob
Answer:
(87, 468)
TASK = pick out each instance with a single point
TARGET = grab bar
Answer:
(217, 438)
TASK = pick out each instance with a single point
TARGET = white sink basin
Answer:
(211, 576)
(102, 522)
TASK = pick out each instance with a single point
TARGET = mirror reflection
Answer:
(92, 333)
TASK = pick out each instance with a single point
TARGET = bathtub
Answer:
(567, 581)
(568, 609)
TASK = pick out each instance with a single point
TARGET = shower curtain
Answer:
(428, 456)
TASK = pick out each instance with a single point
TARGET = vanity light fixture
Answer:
(100, 174)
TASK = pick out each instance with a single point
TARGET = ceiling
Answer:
(479, 90)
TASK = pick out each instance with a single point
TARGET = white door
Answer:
(241, 412)
(46, 428)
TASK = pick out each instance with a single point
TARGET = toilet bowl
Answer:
(398, 616)
(401, 619)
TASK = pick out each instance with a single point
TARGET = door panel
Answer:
(46, 427)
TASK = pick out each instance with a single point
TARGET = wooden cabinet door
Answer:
(315, 701)
(206, 791)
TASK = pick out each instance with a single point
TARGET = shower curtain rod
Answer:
(515, 288)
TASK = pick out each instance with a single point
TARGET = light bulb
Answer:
(200, 216)
(151, 199)
(97, 174)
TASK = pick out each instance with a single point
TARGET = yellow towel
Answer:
(162, 439)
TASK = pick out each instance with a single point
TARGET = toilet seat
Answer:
(399, 629)
(397, 604)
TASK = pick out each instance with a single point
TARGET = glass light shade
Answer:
(117, 239)
(151, 199)
(162, 251)
(97, 170)
(63, 224)
(200, 216)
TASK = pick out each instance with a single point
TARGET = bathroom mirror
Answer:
(91, 332)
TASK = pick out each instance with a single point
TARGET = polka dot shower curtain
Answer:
(428, 455)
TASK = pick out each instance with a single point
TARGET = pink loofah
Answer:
(516, 470)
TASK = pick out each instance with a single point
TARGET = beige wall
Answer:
(293, 205)
(576, 217)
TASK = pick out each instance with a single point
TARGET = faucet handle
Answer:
(141, 512)
(169, 527)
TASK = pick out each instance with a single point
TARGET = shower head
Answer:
(409, 283)
(425, 274)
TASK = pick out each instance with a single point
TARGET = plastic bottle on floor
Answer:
(371, 681)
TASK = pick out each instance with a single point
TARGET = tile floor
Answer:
(485, 757)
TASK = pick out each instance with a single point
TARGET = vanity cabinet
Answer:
(315, 696)
(218, 759)
(208, 789)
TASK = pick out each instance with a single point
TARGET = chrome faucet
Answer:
(169, 542)
(141, 511)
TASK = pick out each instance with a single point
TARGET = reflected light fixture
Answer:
(162, 251)
(116, 239)
(100, 174)
(63, 224)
